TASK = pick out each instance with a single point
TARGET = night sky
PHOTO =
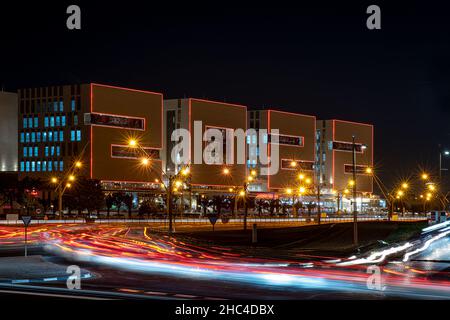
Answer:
(316, 59)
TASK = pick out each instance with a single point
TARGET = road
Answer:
(142, 263)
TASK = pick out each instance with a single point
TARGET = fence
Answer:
(262, 220)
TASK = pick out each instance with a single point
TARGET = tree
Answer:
(147, 207)
(109, 201)
(85, 194)
(127, 200)
(118, 200)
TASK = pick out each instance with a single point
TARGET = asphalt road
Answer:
(139, 263)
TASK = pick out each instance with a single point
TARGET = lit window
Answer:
(36, 122)
(63, 121)
(50, 166)
(52, 151)
(27, 135)
(33, 137)
(52, 122)
(44, 166)
(38, 136)
(50, 136)
(61, 166)
(44, 137)
(55, 165)
(72, 105)
(36, 151)
(30, 122)
(58, 121)
(72, 135)
(22, 166)
(55, 136)
(33, 166)
(75, 120)
(61, 106)
(61, 136)
(25, 123)
(58, 151)
(46, 122)
(25, 152)
(22, 137)
(78, 135)
(27, 169)
(38, 166)
(46, 151)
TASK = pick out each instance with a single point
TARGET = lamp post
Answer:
(355, 208)
(65, 183)
(173, 181)
(442, 153)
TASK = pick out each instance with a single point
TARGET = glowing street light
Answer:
(226, 171)
(351, 183)
(431, 187)
(71, 178)
(301, 176)
(78, 164)
(231, 190)
(369, 170)
(301, 190)
(68, 185)
(253, 173)
(346, 191)
(293, 164)
(400, 193)
(145, 161)
(54, 180)
(132, 143)
(185, 171)
(405, 185)
(424, 176)
(289, 191)
(308, 181)
(242, 193)
(178, 183)
(250, 178)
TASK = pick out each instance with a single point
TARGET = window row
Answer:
(30, 122)
(50, 136)
(75, 135)
(41, 166)
(29, 106)
(55, 121)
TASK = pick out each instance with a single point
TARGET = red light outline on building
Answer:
(190, 131)
(268, 144)
(92, 84)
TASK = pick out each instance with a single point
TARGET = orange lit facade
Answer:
(91, 123)
(225, 117)
(296, 143)
(335, 152)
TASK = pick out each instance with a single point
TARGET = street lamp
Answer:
(442, 153)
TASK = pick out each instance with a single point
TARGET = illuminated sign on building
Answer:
(115, 121)
(295, 141)
(286, 164)
(348, 168)
(126, 152)
(347, 146)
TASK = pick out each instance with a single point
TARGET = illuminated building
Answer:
(88, 122)
(8, 132)
(296, 144)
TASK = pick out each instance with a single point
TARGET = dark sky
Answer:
(317, 59)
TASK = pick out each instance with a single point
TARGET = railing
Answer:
(202, 220)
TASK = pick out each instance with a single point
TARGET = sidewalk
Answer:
(33, 269)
